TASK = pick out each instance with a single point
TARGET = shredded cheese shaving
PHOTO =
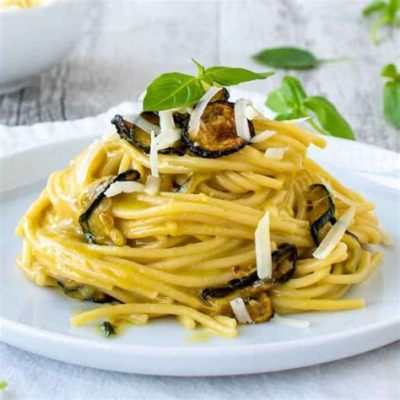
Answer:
(263, 248)
(241, 122)
(124, 187)
(145, 125)
(240, 310)
(335, 234)
(262, 136)
(152, 185)
(253, 113)
(275, 153)
(153, 155)
(195, 117)
(169, 133)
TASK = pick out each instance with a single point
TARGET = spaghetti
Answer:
(189, 249)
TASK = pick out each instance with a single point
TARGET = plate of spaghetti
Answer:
(200, 240)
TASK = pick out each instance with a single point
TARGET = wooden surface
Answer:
(127, 43)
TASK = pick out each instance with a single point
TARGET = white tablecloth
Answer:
(374, 375)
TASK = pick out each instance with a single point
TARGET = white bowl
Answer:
(35, 39)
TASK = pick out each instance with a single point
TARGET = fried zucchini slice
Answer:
(260, 308)
(139, 138)
(92, 227)
(284, 260)
(217, 135)
(320, 211)
(221, 95)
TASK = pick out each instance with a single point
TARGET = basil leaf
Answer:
(373, 7)
(392, 8)
(200, 69)
(293, 115)
(288, 99)
(172, 90)
(277, 102)
(329, 117)
(386, 12)
(391, 103)
(287, 58)
(390, 71)
(227, 76)
(292, 88)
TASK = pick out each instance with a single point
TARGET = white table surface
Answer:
(127, 43)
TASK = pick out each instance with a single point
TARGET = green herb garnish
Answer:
(391, 95)
(290, 58)
(175, 90)
(107, 328)
(290, 101)
(3, 385)
(228, 76)
(287, 58)
(386, 13)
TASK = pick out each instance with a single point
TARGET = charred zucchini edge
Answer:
(129, 175)
(126, 131)
(327, 216)
(204, 153)
(280, 254)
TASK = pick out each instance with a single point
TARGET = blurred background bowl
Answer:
(32, 40)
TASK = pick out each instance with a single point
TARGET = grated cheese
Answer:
(152, 185)
(124, 187)
(240, 310)
(169, 133)
(262, 136)
(253, 113)
(195, 117)
(275, 153)
(241, 122)
(263, 248)
(145, 125)
(335, 235)
(153, 155)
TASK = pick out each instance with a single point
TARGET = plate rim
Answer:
(371, 328)
(386, 331)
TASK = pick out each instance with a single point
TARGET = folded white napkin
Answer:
(14, 139)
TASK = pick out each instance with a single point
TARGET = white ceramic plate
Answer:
(37, 319)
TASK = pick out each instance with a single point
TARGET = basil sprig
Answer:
(291, 58)
(290, 101)
(391, 95)
(174, 90)
(387, 13)
(287, 58)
